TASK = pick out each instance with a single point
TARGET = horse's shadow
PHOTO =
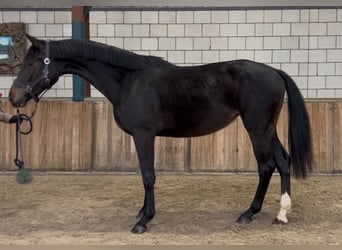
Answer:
(199, 222)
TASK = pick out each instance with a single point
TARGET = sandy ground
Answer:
(98, 209)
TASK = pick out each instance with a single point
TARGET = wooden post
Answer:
(80, 30)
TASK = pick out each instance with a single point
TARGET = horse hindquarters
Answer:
(260, 115)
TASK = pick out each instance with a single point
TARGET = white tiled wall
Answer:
(306, 43)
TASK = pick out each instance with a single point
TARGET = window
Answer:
(6, 45)
(12, 47)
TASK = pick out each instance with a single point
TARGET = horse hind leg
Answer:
(266, 166)
(268, 159)
(282, 159)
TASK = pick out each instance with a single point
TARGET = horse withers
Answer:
(155, 98)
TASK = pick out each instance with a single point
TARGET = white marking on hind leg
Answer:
(285, 206)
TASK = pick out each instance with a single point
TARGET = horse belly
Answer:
(198, 123)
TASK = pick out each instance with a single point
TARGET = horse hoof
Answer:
(243, 220)
(278, 222)
(137, 229)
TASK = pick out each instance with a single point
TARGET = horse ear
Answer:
(35, 42)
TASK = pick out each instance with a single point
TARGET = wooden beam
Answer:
(80, 30)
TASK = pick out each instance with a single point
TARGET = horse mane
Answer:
(104, 53)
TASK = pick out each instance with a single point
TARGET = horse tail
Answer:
(299, 137)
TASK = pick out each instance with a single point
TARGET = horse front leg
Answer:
(144, 143)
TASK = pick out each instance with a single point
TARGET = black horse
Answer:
(155, 98)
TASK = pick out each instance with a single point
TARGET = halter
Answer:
(43, 76)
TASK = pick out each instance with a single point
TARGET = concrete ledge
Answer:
(178, 4)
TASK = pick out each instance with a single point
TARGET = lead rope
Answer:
(24, 176)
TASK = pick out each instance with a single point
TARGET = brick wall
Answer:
(306, 43)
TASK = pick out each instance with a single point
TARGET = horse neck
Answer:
(107, 79)
(104, 78)
(103, 66)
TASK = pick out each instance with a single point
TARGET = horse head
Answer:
(38, 73)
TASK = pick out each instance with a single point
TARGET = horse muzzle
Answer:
(18, 97)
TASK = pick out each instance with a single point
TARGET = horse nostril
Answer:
(10, 99)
